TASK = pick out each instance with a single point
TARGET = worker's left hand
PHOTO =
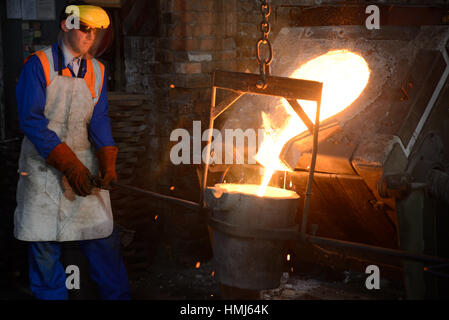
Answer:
(106, 159)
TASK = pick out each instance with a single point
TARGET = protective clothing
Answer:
(92, 16)
(106, 158)
(106, 268)
(32, 94)
(58, 108)
(45, 211)
(78, 176)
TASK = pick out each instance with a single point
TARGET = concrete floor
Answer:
(165, 281)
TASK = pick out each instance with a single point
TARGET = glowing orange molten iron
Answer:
(344, 76)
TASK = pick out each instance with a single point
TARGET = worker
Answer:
(63, 112)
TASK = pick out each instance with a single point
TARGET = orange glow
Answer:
(288, 257)
(198, 264)
(344, 76)
(253, 189)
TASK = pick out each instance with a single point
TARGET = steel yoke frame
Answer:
(292, 90)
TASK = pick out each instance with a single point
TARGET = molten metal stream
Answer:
(253, 189)
(344, 76)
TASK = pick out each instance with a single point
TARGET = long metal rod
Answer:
(181, 202)
(376, 250)
(293, 234)
(226, 103)
(208, 148)
(300, 112)
(316, 129)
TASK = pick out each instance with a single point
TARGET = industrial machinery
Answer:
(372, 175)
(380, 175)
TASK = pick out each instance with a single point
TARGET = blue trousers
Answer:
(106, 268)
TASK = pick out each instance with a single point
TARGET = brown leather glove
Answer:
(107, 157)
(66, 161)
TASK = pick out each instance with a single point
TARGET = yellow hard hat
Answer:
(92, 16)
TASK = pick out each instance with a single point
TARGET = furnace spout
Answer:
(301, 145)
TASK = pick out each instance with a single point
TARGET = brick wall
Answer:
(174, 69)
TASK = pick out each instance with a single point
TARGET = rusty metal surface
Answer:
(276, 86)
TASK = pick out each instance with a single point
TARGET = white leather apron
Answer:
(47, 209)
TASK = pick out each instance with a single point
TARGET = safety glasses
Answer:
(86, 29)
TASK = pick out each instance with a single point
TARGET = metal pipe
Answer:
(181, 202)
(223, 176)
(316, 129)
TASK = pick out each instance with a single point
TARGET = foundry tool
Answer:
(259, 262)
(98, 183)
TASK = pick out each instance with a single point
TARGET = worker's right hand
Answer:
(78, 176)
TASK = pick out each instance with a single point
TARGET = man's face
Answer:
(81, 40)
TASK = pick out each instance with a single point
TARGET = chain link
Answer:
(265, 28)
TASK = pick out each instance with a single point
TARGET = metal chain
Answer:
(265, 28)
